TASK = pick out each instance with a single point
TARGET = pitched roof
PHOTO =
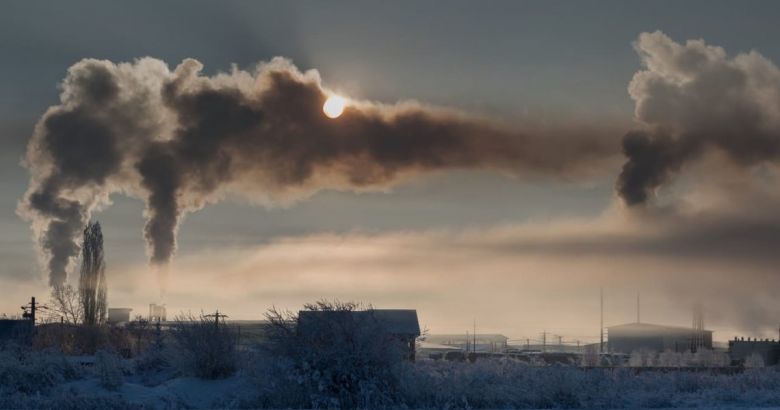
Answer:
(399, 321)
(393, 321)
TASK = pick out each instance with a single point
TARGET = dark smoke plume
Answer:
(179, 140)
(694, 99)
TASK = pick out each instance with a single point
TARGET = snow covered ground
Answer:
(34, 379)
(182, 392)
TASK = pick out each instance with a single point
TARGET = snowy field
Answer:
(35, 379)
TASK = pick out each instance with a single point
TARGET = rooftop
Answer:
(647, 327)
(394, 321)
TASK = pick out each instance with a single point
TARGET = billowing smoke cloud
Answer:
(694, 99)
(179, 139)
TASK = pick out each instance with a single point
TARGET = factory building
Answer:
(768, 350)
(632, 337)
(119, 315)
(481, 342)
(157, 313)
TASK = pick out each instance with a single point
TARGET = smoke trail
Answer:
(179, 140)
(694, 98)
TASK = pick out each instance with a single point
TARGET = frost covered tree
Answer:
(669, 358)
(92, 279)
(754, 361)
(590, 358)
(338, 354)
(205, 347)
(642, 358)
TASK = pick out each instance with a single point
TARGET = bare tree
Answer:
(205, 347)
(65, 302)
(92, 281)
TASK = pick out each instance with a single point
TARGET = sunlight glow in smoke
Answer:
(334, 106)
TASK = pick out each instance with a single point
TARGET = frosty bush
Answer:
(642, 358)
(590, 357)
(511, 384)
(754, 361)
(336, 359)
(65, 401)
(30, 372)
(204, 347)
(109, 369)
(82, 339)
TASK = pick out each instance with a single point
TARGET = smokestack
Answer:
(601, 344)
(637, 308)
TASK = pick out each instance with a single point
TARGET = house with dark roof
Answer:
(400, 326)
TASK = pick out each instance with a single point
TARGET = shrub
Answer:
(109, 368)
(30, 372)
(203, 347)
(754, 361)
(337, 358)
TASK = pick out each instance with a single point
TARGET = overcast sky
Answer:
(520, 254)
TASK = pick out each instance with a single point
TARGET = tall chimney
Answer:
(637, 307)
(601, 344)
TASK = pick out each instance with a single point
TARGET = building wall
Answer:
(659, 341)
(739, 350)
(119, 315)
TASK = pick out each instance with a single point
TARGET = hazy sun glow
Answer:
(334, 106)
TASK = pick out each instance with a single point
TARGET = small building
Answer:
(401, 325)
(481, 342)
(632, 337)
(157, 313)
(434, 351)
(741, 349)
(119, 315)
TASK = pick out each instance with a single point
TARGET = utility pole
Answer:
(31, 314)
(474, 335)
(544, 341)
(216, 317)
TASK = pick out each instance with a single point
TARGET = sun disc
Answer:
(334, 106)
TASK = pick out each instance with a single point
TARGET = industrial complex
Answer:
(616, 345)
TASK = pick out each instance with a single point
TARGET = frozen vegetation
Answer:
(198, 364)
(49, 380)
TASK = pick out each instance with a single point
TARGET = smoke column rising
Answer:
(693, 98)
(179, 140)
